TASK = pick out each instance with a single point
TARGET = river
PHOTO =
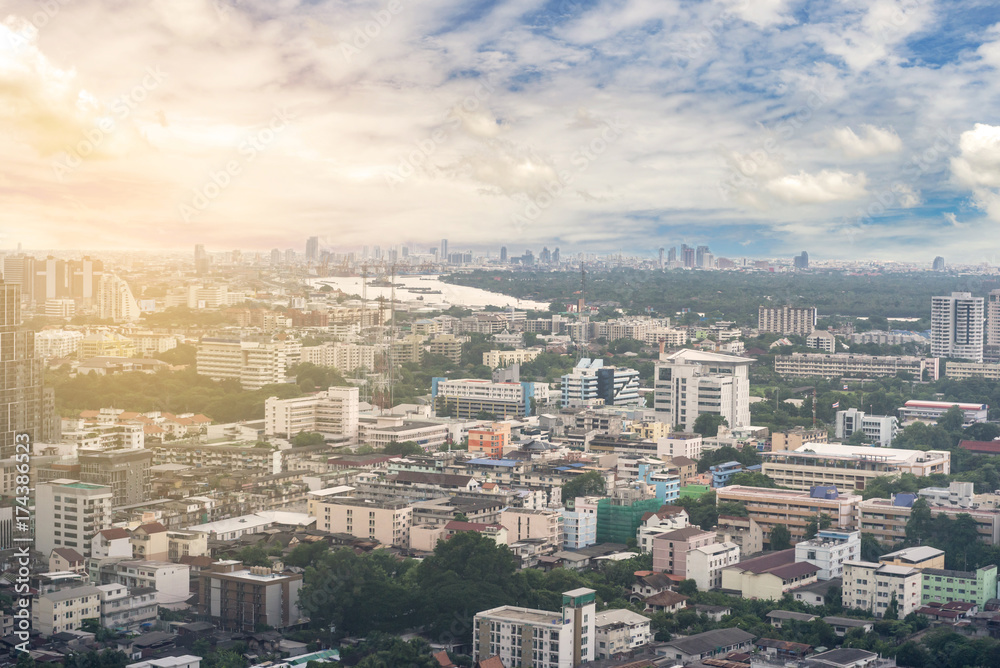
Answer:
(451, 295)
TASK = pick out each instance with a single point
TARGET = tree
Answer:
(918, 527)
(892, 612)
(403, 449)
(304, 438)
(781, 538)
(591, 483)
(871, 550)
(817, 524)
(687, 587)
(952, 420)
(753, 480)
(707, 424)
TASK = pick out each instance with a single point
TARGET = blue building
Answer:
(590, 381)
(722, 473)
(667, 485)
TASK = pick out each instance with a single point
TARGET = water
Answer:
(451, 295)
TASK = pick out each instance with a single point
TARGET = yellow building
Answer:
(921, 557)
(388, 522)
(792, 509)
(106, 344)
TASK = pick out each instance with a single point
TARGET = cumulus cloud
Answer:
(762, 13)
(977, 166)
(826, 186)
(874, 141)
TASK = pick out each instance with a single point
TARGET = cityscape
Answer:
(499, 334)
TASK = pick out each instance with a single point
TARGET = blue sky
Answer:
(758, 127)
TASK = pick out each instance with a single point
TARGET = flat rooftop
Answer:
(525, 616)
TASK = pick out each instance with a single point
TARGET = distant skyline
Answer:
(760, 128)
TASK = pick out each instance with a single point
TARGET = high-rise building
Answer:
(699, 256)
(991, 342)
(688, 383)
(687, 255)
(444, 250)
(938, 264)
(275, 257)
(202, 261)
(660, 258)
(591, 382)
(68, 513)
(115, 300)
(672, 254)
(801, 261)
(25, 406)
(333, 412)
(957, 326)
(289, 256)
(312, 249)
(125, 472)
(85, 278)
(555, 256)
(50, 280)
(18, 270)
(786, 320)
(503, 254)
(243, 599)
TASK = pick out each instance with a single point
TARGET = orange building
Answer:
(490, 442)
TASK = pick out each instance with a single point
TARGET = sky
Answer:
(849, 129)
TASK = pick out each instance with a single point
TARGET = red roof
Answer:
(989, 447)
(152, 527)
(114, 534)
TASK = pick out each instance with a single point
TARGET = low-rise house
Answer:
(620, 631)
(779, 617)
(841, 625)
(66, 559)
(768, 577)
(666, 601)
(650, 583)
(65, 609)
(783, 649)
(718, 642)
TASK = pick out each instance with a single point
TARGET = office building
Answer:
(253, 363)
(539, 638)
(444, 250)
(126, 472)
(468, 397)
(957, 326)
(202, 260)
(792, 509)
(938, 264)
(503, 358)
(849, 467)
(333, 412)
(801, 261)
(243, 600)
(963, 370)
(503, 255)
(68, 513)
(829, 550)
(822, 340)
(991, 334)
(839, 365)
(872, 587)
(688, 383)
(592, 383)
(345, 357)
(878, 429)
(312, 249)
(929, 411)
(786, 320)
(25, 406)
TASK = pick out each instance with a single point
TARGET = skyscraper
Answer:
(312, 249)
(25, 406)
(699, 256)
(202, 261)
(938, 264)
(801, 261)
(672, 254)
(503, 254)
(957, 326)
(661, 258)
(275, 256)
(555, 256)
(444, 250)
(687, 255)
(991, 350)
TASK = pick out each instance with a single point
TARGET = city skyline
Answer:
(760, 129)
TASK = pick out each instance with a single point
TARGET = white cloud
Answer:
(978, 162)
(762, 13)
(874, 141)
(826, 186)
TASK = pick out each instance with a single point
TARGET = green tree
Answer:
(687, 587)
(753, 480)
(591, 483)
(781, 538)
(892, 612)
(918, 527)
(952, 420)
(707, 424)
(305, 438)
(403, 449)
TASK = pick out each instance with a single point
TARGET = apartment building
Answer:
(620, 631)
(496, 359)
(839, 365)
(688, 383)
(872, 587)
(849, 467)
(126, 472)
(124, 609)
(57, 343)
(939, 585)
(706, 563)
(69, 513)
(743, 531)
(232, 457)
(590, 383)
(795, 438)
(886, 518)
(792, 509)
(829, 550)
(786, 320)
(171, 582)
(768, 577)
(539, 638)
(253, 363)
(65, 609)
(333, 412)
(680, 444)
(388, 522)
(345, 357)
(244, 599)
(534, 524)
(822, 340)
(579, 526)
(957, 326)
(150, 542)
(448, 345)
(381, 431)
(489, 442)
(963, 370)
(468, 397)
(671, 549)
